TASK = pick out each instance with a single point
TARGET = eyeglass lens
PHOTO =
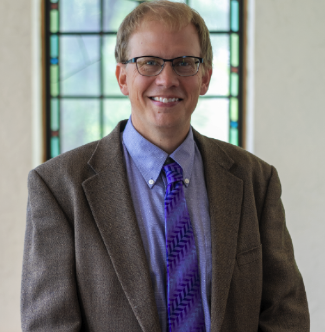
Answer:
(150, 66)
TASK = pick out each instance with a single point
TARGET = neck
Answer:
(168, 143)
(167, 139)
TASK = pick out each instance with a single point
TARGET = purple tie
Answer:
(184, 303)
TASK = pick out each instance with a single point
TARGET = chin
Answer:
(171, 123)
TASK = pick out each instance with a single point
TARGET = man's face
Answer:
(149, 115)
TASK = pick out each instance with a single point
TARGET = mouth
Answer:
(166, 100)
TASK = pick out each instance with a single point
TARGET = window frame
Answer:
(46, 33)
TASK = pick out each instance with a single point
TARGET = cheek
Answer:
(138, 85)
(194, 87)
(133, 84)
(132, 76)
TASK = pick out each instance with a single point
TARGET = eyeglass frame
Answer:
(134, 60)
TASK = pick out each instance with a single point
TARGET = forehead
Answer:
(156, 38)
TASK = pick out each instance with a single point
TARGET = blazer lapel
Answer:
(225, 193)
(110, 200)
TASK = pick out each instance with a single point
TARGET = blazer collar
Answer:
(110, 200)
(225, 192)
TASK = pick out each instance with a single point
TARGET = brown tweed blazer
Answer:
(85, 267)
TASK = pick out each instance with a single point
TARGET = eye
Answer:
(185, 62)
(182, 63)
(151, 63)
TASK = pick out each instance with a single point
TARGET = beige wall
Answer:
(288, 125)
(15, 151)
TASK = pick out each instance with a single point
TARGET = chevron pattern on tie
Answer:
(184, 302)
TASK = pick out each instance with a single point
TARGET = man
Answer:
(156, 227)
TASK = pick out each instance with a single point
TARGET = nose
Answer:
(167, 78)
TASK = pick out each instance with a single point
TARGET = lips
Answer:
(166, 100)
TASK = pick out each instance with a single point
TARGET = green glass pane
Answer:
(233, 109)
(234, 86)
(211, 118)
(54, 1)
(234, 50)
(80, 122)
(54, 74)
(214, 12)
(115, 110)
(55, 146)
(233, 136)
(115, 12)
(54, 20)
(80, 65)
(54, 41)
(80, 15)
(109, 63)
(55, 116)
(219, 84)
(234, 15)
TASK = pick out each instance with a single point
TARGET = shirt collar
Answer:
(150, 159)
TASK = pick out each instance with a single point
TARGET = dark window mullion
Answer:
(230, 55)
(48, 78)
(240, 74)
(72, 33)
(101, 67)
(125, 97)
(87, 33)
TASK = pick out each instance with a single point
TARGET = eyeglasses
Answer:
(153, 66)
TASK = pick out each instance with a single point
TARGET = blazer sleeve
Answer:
(284, 304)
(49, 299)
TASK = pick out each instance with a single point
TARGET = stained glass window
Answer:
(84, 102)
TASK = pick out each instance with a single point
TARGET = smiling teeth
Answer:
(165, 100)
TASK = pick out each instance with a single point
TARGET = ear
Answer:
(120, 74)
(206, 77)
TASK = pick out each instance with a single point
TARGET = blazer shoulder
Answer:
(72, 168)
(242, 157)
(72, 162)
(237, 160)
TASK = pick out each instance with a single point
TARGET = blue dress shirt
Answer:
(144, 162)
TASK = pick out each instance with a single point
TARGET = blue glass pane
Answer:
(80, 122)
(115, 110)
(234, 15)
(211, 118)
(115, 12)
(214, 12)
(80, 15)
(55, 146)
(233, 124)
(219, 84)
(80, 65)
(54, 41)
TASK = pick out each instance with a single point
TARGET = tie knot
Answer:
(174, 172)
